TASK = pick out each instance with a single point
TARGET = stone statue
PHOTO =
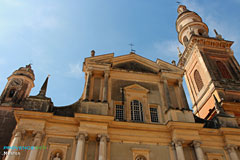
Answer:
(92, 53)
(57, 157)
(179, 53)
(218, 36)
(140, 158)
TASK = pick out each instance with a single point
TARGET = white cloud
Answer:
(75, 70)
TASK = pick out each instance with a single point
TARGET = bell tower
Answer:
(16, 90)
(18, 86)
(212, 73)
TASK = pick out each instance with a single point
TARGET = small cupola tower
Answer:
(189, 23)
(18, 86)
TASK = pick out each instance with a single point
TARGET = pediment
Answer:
(136, 88)
(134, 66)
(134, 62)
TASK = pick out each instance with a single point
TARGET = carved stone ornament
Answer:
(57, 157)
(140, 157)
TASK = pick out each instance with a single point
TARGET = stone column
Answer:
(36, 142)
(173, 150)
(89, 75)
(15, 143)
(102, 147)
(105, 87)
(183, 95)
(231, 149)
(167, 94)
(179, 150)
(81, 138)
(198, 150)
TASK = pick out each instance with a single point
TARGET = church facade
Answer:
(133, 108)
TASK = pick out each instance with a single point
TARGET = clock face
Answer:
(16, 82)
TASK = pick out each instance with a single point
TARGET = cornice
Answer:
(200, 41)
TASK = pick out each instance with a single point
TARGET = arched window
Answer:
(201, 32)
(140, 157)
(198, 80)
(185, 40)
(222, 68)
(11, 93)
(136, 111)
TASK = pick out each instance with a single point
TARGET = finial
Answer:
(218, 36)
(92, 53)
(181, 8)
(29, 65)
(173, 62)
(179, 53)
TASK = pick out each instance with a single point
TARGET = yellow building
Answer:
(133, 108)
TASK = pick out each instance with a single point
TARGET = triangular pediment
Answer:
(136, 88)
(137, 63)
(134, 66)
(134, 62)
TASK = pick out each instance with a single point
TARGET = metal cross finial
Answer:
(132, 50)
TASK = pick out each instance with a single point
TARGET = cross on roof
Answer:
(132, 50)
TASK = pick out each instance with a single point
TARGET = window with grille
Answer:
(198, 80)
(222, 68)
(154, 114)
(136, 111)
(119, 112)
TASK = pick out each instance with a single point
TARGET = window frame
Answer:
(154, 107)
(123, 112)
(133, 111)
(198, 80)
(223, 70)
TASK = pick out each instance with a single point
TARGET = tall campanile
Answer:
(212, 73)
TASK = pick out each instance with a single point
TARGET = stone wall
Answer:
(60, 142)
(154, 95)
(91, 150)
(7, 125)
(123, 151)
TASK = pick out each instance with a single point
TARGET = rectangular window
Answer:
(154, 114)
(119, 112)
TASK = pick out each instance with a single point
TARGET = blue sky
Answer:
(56, 35)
